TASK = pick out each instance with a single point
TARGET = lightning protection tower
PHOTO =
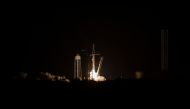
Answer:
(77, 67)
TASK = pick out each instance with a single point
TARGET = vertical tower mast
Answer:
(93, 73)
(93, 58)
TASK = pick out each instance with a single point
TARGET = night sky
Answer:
(128, 38)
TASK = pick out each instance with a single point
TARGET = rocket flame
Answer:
(94, 76)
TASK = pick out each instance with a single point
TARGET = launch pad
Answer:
(93, 74)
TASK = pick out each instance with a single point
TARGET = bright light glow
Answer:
(100, 78)
(94, 76)
(139, 75)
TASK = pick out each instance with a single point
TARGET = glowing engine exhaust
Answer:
(93, 74)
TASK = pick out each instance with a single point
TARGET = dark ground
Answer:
(114, 88)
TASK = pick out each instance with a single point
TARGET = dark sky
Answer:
(128, 38)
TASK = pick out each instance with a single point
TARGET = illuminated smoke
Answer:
(94, 76)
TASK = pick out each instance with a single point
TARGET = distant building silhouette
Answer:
(164, 50)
